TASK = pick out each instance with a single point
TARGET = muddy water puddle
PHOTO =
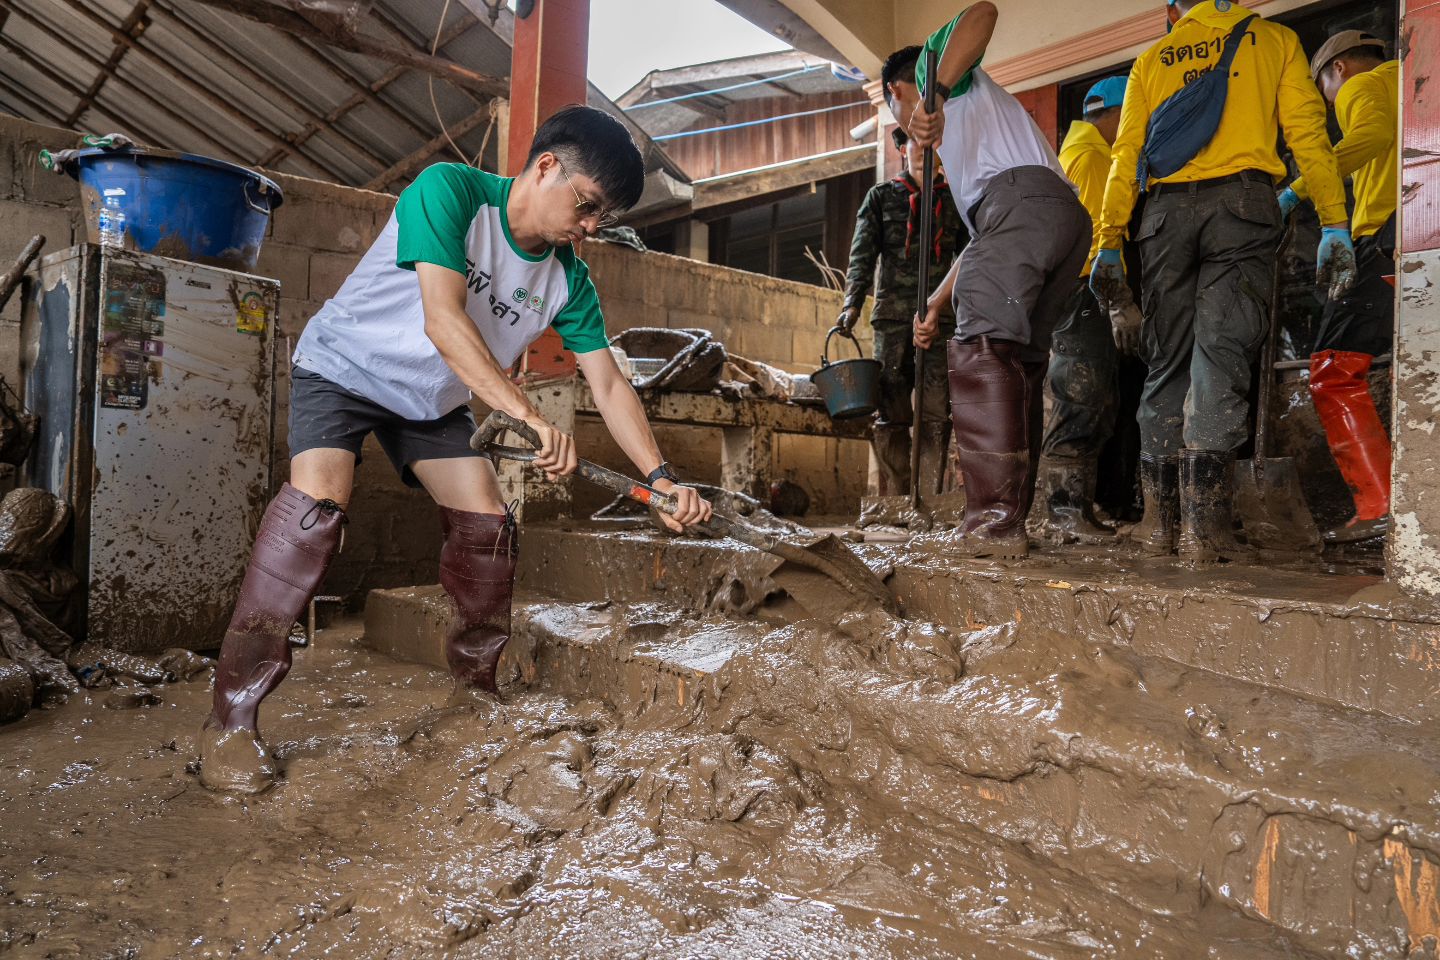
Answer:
(768, 816)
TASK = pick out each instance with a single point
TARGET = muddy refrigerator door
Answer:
(177, 399)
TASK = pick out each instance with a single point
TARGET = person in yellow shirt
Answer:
(1351, 71)
(1208, 238)
(1083, 360)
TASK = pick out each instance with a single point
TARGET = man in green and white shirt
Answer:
(470, 269)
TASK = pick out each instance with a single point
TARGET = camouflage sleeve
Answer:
(956, 236)
(864, 249)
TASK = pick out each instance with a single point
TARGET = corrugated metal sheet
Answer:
(189, 76)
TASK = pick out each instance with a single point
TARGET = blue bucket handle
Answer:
(264, 192)
(848, 334)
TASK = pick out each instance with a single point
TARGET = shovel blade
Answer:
(862, 587)
(1272, 506)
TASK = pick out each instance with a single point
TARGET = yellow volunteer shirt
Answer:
(1368, 108)
(1085, 157)
(1270, 89)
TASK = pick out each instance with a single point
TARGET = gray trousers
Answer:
(1208, 254)
(1082, 381)
(1031, 238)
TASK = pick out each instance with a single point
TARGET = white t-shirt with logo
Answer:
(370, 337)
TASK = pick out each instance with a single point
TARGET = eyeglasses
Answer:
(588, 208)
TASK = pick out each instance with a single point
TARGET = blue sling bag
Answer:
(1186, 122)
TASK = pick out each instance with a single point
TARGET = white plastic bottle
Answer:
(112, 223)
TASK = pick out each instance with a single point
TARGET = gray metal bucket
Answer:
(850, 388)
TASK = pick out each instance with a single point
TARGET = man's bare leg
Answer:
(298, 536)
(477, 566)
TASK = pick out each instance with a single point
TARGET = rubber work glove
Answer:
(1107, 276)
(1288, 200)
(1335, 261)
(847, 319)
(1126, 322)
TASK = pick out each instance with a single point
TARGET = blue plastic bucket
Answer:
(179, 205)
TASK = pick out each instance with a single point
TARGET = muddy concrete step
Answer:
(1343, 639)
(1167, 785)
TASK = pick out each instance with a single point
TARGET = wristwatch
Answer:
(662, 472)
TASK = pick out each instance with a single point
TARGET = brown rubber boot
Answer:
(1160, 484)
(298, 537)
(477, 570)
(1035, 371)
(1207, 519)
(990, 409)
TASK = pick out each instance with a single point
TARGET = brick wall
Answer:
(319, 234)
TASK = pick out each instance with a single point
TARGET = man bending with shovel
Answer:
(470, 269)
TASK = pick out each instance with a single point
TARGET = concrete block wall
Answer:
(318, 236)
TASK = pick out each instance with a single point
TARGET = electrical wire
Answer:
(755, 123)
(430, 84)
(737, 86)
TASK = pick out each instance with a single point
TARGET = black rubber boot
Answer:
(1065, 507)
(1207, 519)
(1160, 484)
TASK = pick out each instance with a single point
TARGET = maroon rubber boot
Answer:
(994, 406)
(298, 537)
(477, 570)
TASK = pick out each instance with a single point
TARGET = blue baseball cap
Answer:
(1109, 92)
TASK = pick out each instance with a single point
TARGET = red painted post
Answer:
(547, 69)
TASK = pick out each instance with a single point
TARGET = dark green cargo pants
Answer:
(895, 349)
(1208, 251)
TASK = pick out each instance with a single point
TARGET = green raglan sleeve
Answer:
(434, 216)
(937, 42)
(580, 324)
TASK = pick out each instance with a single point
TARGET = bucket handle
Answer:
(264, 192)
(847, 334)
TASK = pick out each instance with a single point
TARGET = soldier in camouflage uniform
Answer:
(886, 232)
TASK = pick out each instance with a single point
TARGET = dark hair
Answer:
(899, 66)
(593, 143)
(900, 137)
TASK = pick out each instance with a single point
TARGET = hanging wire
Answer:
(430, 84)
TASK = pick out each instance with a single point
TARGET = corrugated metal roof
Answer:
(185, 75)
(668, 101)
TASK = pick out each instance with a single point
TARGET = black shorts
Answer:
(324, 415)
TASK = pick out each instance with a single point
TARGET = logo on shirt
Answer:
(520, 295)
(478, 280)
(537, 303)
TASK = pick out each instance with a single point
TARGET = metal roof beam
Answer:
(69, 44)
(49, 73)
(205, 93)
(281, 19)
(28, 97)
(417, 159)
(214, 49)
(133, 25)
(365, 94)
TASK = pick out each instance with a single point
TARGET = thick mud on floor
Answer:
(763, 825)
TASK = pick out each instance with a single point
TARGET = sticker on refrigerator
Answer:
(132, 332)
(251, 315)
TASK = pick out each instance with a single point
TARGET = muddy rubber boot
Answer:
(934, 448)
(989, 408)
(477, 570)
(1160, 485)
(1035, 372)
(1065, 512)
(891, 444)
(1340, 389)
(1207, 519)
(298, 538)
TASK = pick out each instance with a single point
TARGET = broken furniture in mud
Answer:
(748, 426)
